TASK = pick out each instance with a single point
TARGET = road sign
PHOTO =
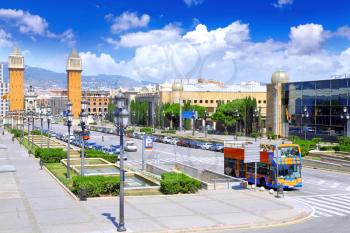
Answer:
(252, 153)
(187, 114)
(148, 142)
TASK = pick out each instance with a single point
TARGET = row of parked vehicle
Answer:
(219, 147)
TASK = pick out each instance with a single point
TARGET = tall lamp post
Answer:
(236, 115)
(345, 117)
(48, 118)
(256, 118)
(205, 122)
(69, 119)
(83, 120)
(121, 116)
(305, 116)
(41, 115)
(193, 121)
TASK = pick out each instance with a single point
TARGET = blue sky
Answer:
(231, 41)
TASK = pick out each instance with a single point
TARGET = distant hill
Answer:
(39, 77)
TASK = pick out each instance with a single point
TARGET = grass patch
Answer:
(60, 171)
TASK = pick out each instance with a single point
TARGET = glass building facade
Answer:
(317, 108)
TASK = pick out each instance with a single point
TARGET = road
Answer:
(327, 192)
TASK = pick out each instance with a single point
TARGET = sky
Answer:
(157, 40)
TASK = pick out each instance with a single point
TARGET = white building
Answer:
(4, 88)
(31, 99)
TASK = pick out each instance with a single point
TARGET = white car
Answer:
(167, 140)
(130, 146)
(206, 146)
(174, 141)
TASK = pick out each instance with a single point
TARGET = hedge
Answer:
(96, 186)
(173, 183)
(17, 133)
(169, 131)
(50, 155)
(90, 153)
(146, 130)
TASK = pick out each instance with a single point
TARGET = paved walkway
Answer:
(32, 201)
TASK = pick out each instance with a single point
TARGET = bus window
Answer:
(241, 169)
(289, 171)
(262, 168)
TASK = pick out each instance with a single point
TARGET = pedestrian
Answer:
(41, 164)
(103, 138)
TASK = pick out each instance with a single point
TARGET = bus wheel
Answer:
(262, 182)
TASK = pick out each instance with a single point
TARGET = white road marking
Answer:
(324, 208)
(335, 185)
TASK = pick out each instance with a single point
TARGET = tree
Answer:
(227, 114)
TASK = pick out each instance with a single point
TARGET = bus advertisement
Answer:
(282, 161)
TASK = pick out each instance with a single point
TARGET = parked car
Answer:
(130, 146)
(174, 141)
(97, 147)
(90, 145)
(116, 148)
(195, 144)
(167, 140)
(206, 145)
(217, 147)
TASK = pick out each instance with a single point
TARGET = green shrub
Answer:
(50, 155)
(171, 131)
(173, 183)
(96, 185)
(90, 153)
(35, 132)
(146, 130)
(344, 140)
(326, 148)
(17, 133)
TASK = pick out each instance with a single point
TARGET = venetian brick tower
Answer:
(16, 80)
(74, 69)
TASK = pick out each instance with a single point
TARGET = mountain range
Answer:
(43, 78)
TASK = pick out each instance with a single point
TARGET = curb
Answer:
(328, 170)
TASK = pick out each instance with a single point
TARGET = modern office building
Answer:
(312, 108)
(4, 106)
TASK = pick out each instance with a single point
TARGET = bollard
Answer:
(41, 163)
(280, 192)
(83, 194)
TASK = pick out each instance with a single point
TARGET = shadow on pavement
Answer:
(111, 218)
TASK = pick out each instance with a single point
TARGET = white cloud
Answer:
(5, 39)
(101, 64)
(168, 34)
(283, 3)
(307, 38)
(343, 31)
(33, 25)
(126, 21)
(193, 2)
(27, 23)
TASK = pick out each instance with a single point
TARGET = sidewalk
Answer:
(32, 201)
(206, 211)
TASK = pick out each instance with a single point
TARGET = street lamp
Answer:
(193, 121)
(48, 118)
(306, 116)
(172, 120)
(41, 115)
(345, 116)
(121, 116)
(236, 115)
(69, 119)
(256, 117)
(205, 122)
(83, 120)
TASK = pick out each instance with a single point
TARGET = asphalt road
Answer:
(327, 192)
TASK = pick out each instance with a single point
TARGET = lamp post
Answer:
(305, 116)
(48, 118)
(193, 121)
(256, 118)
(121, 116)
(345, 117)
(172, 120)
(23, 117)
(163, 114)
(41, 115)
(33, 118)
(69, 119)
(205, 122)
(236, 115)
(83, 120)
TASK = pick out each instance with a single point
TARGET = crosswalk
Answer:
(329, 205)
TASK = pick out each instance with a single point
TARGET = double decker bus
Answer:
(279, 165)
